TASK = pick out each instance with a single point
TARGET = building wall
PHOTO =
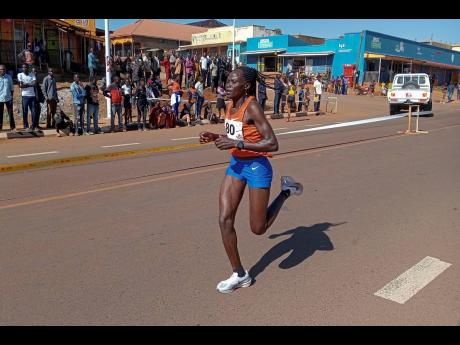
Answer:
(388, 45)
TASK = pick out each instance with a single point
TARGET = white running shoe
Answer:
(288, 183)
(234, 282)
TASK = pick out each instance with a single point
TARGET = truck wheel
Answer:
(394, 109)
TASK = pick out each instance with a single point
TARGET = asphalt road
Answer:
(136, 240)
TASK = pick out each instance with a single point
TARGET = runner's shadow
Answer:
(302, 244)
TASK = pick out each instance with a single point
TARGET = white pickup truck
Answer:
(413, 88)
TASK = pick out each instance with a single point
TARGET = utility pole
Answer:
(233, 50)
(108, 80)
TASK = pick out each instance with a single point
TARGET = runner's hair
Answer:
(253, 76)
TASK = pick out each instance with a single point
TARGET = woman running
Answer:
(250, 139)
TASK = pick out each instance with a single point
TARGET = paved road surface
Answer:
(136, 240)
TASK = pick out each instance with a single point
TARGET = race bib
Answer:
(234, 129)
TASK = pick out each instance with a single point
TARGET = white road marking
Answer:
(186, 138)
(401, 289)
(346, 124)
(33, 154)
(107, 146)
(318, 124)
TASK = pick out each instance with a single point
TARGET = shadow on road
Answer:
(304, 241)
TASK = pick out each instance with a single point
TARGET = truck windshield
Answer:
(419, 79)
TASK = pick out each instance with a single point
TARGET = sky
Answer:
(444, 30)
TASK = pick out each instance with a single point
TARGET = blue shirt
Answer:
(78, 93)
(91, 60)
(6, 88)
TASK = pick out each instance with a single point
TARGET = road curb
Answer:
(5, 168)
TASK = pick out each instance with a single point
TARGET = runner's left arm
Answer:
(269, 143)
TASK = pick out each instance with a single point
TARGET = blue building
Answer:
(368, 54)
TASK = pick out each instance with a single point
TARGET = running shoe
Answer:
(234, 282)
(288, 183)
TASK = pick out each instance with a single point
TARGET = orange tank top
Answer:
(236, 129)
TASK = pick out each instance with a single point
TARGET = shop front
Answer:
(386, 56)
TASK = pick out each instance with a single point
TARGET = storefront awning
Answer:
(208, 45)
(408, 60)
(307, 54)
(260, 52)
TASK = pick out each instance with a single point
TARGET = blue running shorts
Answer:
(257, 172)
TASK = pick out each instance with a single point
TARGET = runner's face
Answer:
(236, 86)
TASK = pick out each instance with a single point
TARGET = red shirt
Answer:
(116, 94)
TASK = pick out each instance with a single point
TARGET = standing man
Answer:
(317, 88)
(204, 69)
(114, 92)
(262, 96)
(78, 99)
(6, 97)
(27, 82)
(27, 56)
(279, 88)
(92, 108)
(92, 65)
(50, 92)
(200, 98)
(178, 71)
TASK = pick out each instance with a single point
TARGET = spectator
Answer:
(92, 65)
(214, 76)
(167, 66)
(284, 80)
(62, 123)
(127, 89)
(78, 98)
(178, 72)
(200, 92)
(208, 79)
(291, 99)
(27, 56)
(306, 95)
(172, 63)
(317, 88)
(185, 114)
(279, 88)
(300, 95)
(6, 97)
(221, 99)
(92, 107)
(450, 91)
(189, 66)
(458, 90)
(27, 82)
(142, 106)
(345, 86)
(39, 100)
(113, 91)
(51, 97)
(262, 94)
(204, 69)
(372, 88)
(192, 98)
(443, 93)
(153, 115)
(137, 70)
(197, 68)
(175, 97)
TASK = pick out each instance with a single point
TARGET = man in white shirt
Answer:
(27, 82)
(200, 99)
(318, 90)
(204, 69)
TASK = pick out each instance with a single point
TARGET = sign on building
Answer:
(265, 43)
